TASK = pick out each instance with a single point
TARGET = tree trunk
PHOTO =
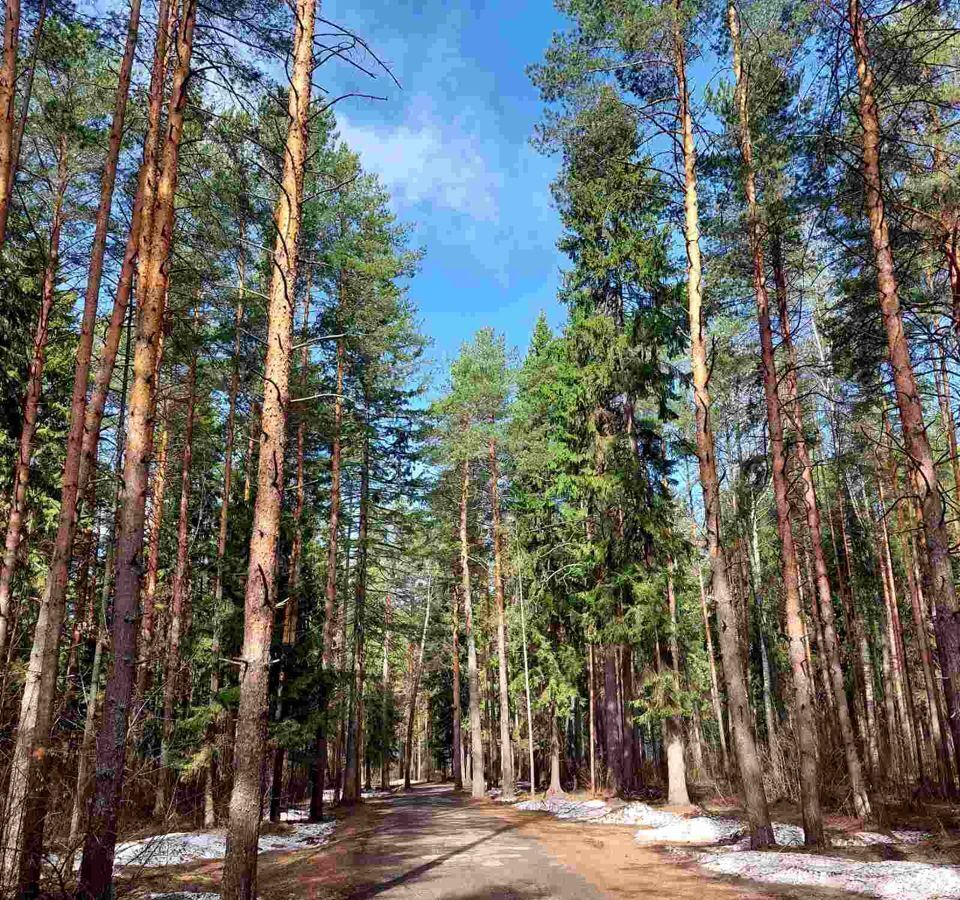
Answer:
(526, 683)
(21, 125)
(330, 593)
(824, 596)
(761, 832)
(26, 790)
(673, 727)
(96, 869)
(457, 754)
(414, 688)
(8, 97)
(179, 600)
(355, 744)
(507, 785)
(291, 609)
(210, 811)
(937, 569)
(478, 786)
(804, 707)
(240, 865)
(387, 700)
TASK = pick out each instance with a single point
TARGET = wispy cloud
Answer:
(425, 160)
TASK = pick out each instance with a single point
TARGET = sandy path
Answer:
(433, 844)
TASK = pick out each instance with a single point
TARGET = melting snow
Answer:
(890, 880)
(183, 847)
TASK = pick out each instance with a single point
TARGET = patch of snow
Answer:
(889, 880)
(640, 814)
(183, 847)
(695, 830)
(184, 895)
(582, 810)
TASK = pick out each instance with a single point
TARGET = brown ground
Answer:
(432, 844)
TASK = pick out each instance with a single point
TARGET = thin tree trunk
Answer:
(180, 597)
(824, 596)
(210, 778)
(555, 788)
(804, 707)
(21, 126)
(8, 97)
(414, 688)
(937, 568)
(240, 865)
(386, 700)
(673, 727)
(354, 742)
(291, 609)
(761, 832)
(507, 784)
(457, 754)
(26, 790)
(478, 787)
(526, 683)
(96, 869)
(330, 592)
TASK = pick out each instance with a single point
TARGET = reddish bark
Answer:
(8, 96)
(96, 869)
(761, 831)
(240, 865)
(937, 567)
(478, 787)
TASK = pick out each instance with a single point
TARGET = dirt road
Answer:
(433, 844)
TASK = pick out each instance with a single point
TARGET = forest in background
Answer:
(698, 539)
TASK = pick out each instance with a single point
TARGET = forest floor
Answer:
(430, 843)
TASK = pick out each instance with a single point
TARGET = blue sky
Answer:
(453, 147)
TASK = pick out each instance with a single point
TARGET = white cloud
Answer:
(427, 161)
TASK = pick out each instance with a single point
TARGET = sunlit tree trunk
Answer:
(507, 785)
(8, 98)
(761, 832)
(937, 568)
(96, 869)
(457, 752)
(414, 689)
(240, 866)
(180, 598)
(673, 727)
(478, 787)
(26, 792)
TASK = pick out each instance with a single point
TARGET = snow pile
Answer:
(785, 836)
(184, 847)
(582, 810)
(184, 895)
(639, 814)
(695, 830)
(890, 880)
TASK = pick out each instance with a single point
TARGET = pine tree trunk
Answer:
(240, 865)
(937, 569)
(673, 727)
(613, 748)
(31, 71)
(26, 789)
(96, 869)
(179, 600)
(355, 744)
(330, 592)
(478, 786)
(507, 780)
(8, 98)
(824, 596)
(555, 788)
(386, 700)
(804, 706)
(414, 688)
(457, 754)
(761, 832)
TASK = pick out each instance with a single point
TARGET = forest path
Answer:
(431, 843)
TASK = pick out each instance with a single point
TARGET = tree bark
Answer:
(26, 791)
(96, 869)
(330, 592)
(180, 598)
(414, 688)
(507, 784)
(526, 684)
(804, 706)
(240, 865)
(21, 125)
(761, 831)
(457, 753)
(8, 97)
(673, 727)
(478, 786)
(937, 568)
(824, 596)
